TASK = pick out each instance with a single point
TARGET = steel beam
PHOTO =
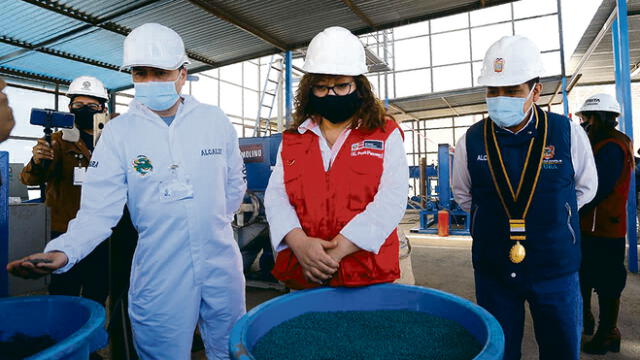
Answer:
(216, 10)
(30, 75)
(594, 44)
(356, 10)
(57, 53)
(620, 33)
(103, 23)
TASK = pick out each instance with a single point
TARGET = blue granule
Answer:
(367, 335)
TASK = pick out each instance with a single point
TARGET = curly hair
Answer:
(372, 114)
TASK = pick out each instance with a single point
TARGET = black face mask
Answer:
(336, 109)
(84, 117)
(585, 125)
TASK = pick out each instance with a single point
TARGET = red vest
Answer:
(609, 218)
(326, 201)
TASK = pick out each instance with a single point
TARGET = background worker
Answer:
(63, 168)
(7, 121)
(524, 173)
(339, 188)
(603, 222)
(176, 163)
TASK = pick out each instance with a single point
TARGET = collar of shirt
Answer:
(530, 115)
(310, 125)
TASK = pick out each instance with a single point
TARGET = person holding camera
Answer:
(62, 165)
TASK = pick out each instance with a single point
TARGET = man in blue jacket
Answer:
(524, 173)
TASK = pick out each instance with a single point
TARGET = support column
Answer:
(288, 87)
(620, 31)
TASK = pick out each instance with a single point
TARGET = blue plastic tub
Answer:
(76, 324)
(256, 323)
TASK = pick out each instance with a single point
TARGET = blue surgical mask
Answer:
(157, 95)
(507, 111)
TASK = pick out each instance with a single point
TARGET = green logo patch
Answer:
(142, 165)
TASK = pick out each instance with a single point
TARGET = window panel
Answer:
(231, 99)
(543, 31)
(465, 120)
(477, 70)
(411, 30)
(232, 73)
(251, 100)
(19, 150)
(491, 15)
(482, 38)
(438, 123)
(205, 90)
(22, 101)
(528, 8)
(458, 133)
(450, 48)
(251, 79)
(442, 136)
(453, 22)
(551, 63)
(451, 77)
(412, 53)
(409, 83)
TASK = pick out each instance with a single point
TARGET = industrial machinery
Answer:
(436, 195)
(250, 224)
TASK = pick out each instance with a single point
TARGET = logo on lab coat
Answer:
(209, 152)
(142, 165)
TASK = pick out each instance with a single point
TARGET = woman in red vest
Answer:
(339, 188)
(603, 222)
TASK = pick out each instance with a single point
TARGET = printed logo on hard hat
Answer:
(498, 65)
(593, 101)
(142, 165)
(86, 85)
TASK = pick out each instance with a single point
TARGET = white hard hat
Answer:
(600, 102)
(335, 51)
(88, 86)
(154, 45)
(512, 60)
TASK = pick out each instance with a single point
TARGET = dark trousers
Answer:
(603, 265)
(89, 278)
(556, 309)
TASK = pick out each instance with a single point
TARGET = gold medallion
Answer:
(517, 253)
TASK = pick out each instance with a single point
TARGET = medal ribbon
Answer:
(516, 203)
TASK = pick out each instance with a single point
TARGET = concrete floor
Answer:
(445, 264)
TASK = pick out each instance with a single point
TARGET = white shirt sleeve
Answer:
(461, 176)
(104, 194)
(281, 215)
(369, 229)
(236, 173)
(584, 165)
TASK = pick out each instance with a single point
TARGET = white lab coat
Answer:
(187, 267)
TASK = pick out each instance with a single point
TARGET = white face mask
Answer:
(508, 111)
(157, 95)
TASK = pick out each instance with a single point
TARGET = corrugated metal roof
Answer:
(91, 31)
(599, 67)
